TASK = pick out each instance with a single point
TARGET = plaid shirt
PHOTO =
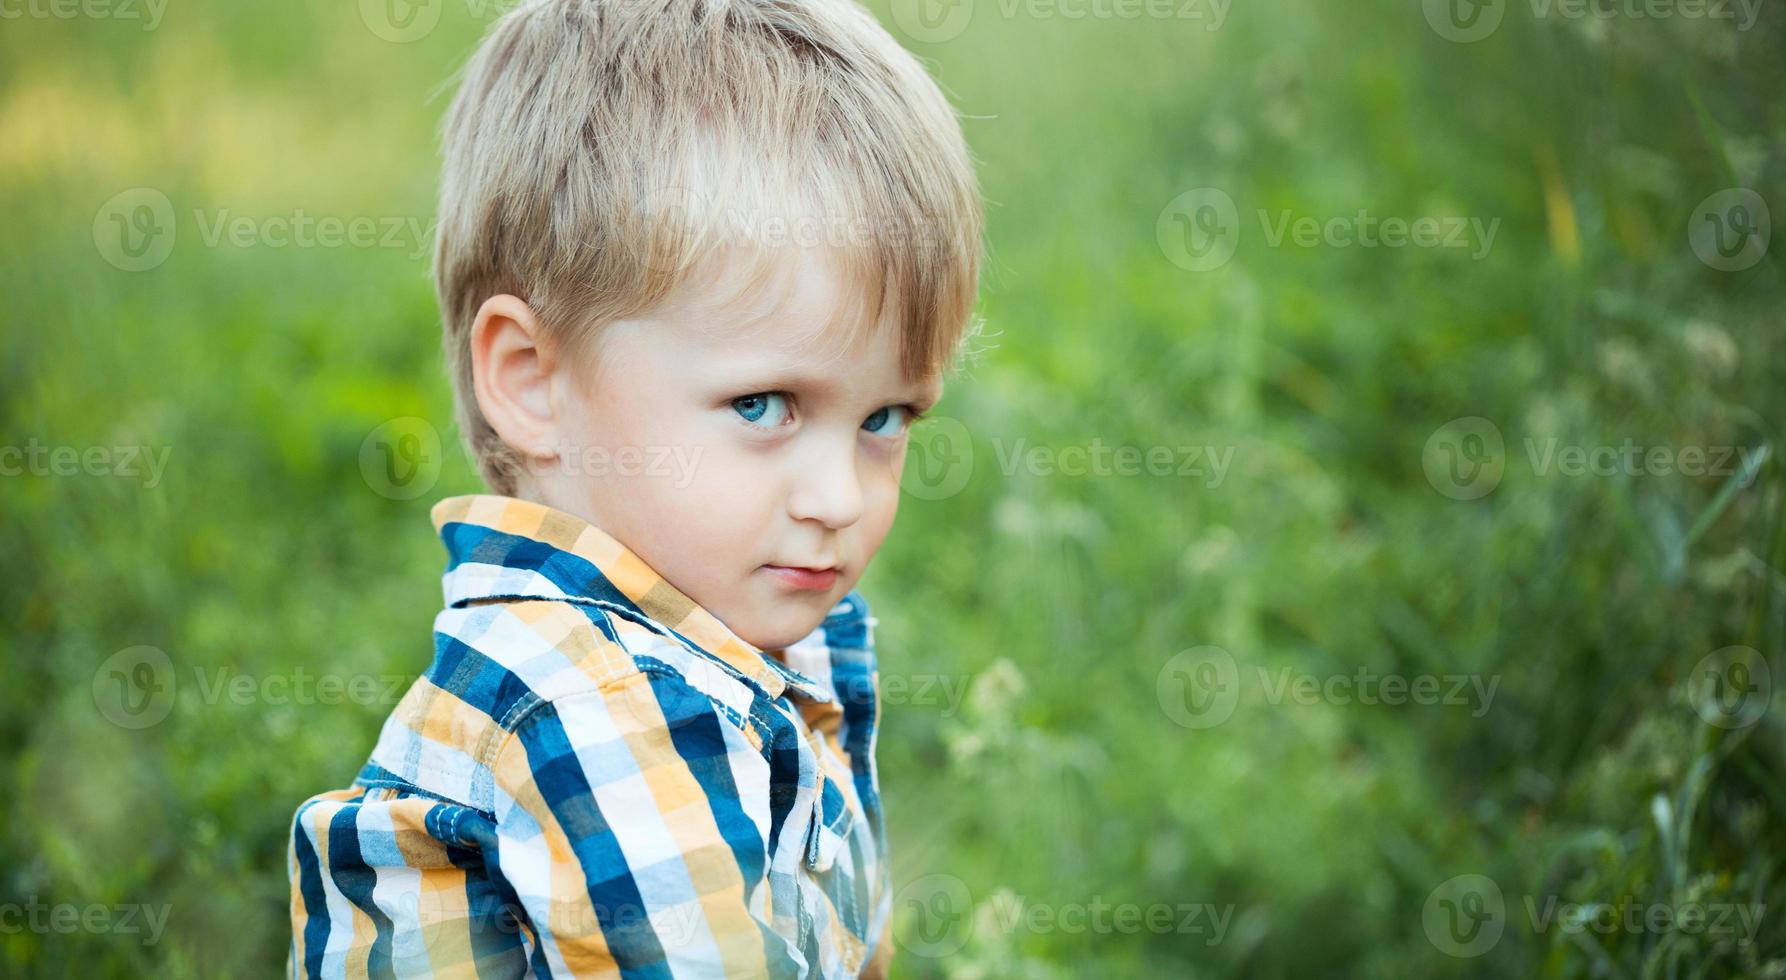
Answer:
(596, 777)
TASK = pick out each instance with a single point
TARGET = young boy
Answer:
(700, 263)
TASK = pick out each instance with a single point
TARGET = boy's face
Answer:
(729, 437)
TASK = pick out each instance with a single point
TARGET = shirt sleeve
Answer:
(623, 834)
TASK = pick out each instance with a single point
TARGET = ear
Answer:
(512, 361)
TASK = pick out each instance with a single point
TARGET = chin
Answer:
(781, 632)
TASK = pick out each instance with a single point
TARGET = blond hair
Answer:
(599, 150)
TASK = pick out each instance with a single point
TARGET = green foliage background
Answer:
(1057, 603)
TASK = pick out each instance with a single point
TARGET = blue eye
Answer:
(769, 405)
(878, 422)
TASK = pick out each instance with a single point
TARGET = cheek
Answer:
(702, 527)
(880, 506)
(666, 475)
(721, 495)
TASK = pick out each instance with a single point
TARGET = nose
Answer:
(827, 488)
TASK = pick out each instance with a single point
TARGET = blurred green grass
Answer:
(1056, 603)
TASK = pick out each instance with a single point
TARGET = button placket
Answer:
(826, 837)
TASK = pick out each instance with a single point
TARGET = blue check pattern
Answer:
(596, 777)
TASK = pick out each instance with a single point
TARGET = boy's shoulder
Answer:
(543, 611)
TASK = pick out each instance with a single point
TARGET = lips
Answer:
(804, 577)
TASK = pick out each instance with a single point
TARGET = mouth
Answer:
(816, 579)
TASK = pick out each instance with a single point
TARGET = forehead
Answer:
(795, 312)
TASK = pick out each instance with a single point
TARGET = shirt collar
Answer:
(507, 548)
